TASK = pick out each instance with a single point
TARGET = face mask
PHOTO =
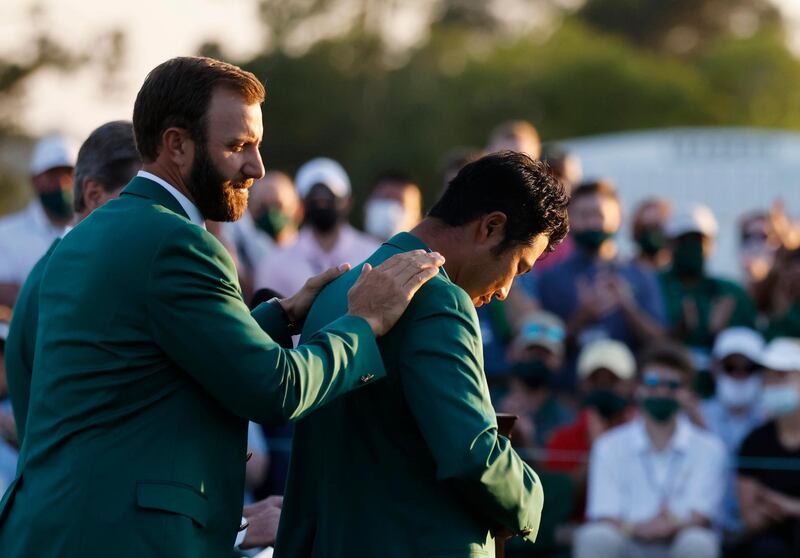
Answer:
(57, 203)
(777, 401)
(592, 239)
(661, 408)
(735, 394)
(687, 258)
(322, 219)
(607, 403)
(272, 222)
(384, 218)
(651, 241)
(535, 373)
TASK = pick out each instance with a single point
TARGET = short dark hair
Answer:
(595, 187)
(513, 183)
(178, 92)
(109, 156)
(669, 354)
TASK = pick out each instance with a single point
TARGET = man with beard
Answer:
(415, 466)
(326, 237)
(148, 363)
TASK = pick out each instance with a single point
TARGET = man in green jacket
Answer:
(107, 161)
(147, 362)
(414, 466)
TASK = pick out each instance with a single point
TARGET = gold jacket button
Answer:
(366, 378)
(244, 525)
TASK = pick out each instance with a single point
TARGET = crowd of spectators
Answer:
(661, 403)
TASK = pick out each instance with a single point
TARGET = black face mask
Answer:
(322, 218)
(607, 403)
(688, 260)
(651, 240)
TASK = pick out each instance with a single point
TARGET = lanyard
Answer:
(664, 489)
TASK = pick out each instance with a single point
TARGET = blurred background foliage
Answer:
(571, 67)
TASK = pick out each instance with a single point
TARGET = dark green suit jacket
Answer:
(413, 465)
(21, 342)
(147, 367)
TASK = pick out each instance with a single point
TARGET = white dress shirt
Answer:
(191, 209)
(630, 481)
(25, 236)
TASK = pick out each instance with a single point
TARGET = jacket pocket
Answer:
(173, 497)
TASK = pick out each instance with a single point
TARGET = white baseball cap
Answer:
(322, 171)
(739, 341)
(612, 355)
(695, 219)
(782, 354)
(52, 152)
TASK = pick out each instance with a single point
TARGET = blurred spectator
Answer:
(778, 296)
(649, 232)
(758, 245)
(454, 160)
(699, 306)
(606, 369)
(769, 460)
(565, 166)
(734, 411)
(257, 466)
(516, 135)
(8, 431)
(273, 215)
(326, 239)
(595, 293)
(25, 236)
(537, 353)
(394, 206)
(106, 162)
(656, 483)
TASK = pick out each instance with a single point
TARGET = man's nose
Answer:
(254, 166)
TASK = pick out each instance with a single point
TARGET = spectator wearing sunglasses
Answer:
(734, 410)
(656, 483)
(536, 355)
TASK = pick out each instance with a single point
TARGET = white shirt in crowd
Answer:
(629, 481)
(252, 244)
(289, 268)
(25, 236)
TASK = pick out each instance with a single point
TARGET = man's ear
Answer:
(493, 227)
(177, 147)
(92, 193)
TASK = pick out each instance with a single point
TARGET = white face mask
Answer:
(738, 394)
(384, 218)
(780, 400)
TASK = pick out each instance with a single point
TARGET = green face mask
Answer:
(592, 239)
(687, 258)
(651, 241)
(661, 408)
(57, 203)
(535, 373)
(272, 222)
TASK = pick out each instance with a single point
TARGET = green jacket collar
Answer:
(408, 242)
(144, 188)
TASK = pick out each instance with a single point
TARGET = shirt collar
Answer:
(191, 209)
(680, 438)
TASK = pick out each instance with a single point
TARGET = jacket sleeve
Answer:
(198, 318)
(444, 384)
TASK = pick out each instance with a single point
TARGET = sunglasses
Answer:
(539, 331)
(653, 380)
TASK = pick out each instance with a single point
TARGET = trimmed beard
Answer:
(216, 198)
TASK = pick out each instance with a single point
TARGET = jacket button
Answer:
(526, 532)
(244, 525)
(367, 378)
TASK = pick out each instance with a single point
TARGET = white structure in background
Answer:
(732, 170)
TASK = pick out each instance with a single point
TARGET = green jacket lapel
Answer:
(146, 188)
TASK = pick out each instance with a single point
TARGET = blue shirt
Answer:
(557, 292)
